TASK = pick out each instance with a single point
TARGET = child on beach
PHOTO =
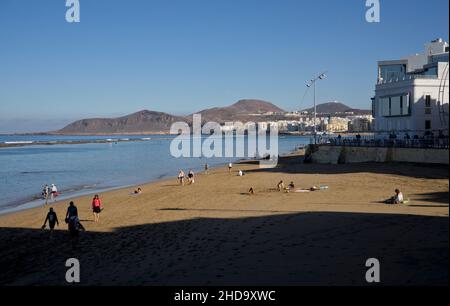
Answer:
(96, 207)
(181, 177)
(52, 219)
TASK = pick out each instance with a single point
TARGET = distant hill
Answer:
(147, 122)
(137, 123)
(243, 110)
(336, 108)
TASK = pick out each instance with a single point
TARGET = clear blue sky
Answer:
(181, 56)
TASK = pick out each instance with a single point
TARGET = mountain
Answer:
(243, 110)
(147, 122)
(137, 123)
(336, 108)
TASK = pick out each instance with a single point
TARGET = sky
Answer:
(181, 56)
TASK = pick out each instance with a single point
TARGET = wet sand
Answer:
(214, 233)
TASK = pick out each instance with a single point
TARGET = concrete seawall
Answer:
(323, 154)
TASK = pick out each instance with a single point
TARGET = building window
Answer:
(427, 124)
(395, 106)
(427, 101)
(427, 105)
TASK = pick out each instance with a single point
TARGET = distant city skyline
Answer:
(184, 56)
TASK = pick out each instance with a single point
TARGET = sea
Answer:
(80, 169)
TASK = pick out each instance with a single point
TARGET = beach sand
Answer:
(214, 233)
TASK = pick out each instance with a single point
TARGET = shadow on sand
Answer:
(293, 165)
(280, 249)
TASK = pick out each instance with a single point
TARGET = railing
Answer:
(373, 141)
(407, 78)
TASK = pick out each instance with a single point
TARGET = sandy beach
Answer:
(214, 233)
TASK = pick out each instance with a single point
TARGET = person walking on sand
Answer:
(230, 166)
(191, 177)
(54, 193)
(206, 168)
(181, 177)
(96, 207)
(72, 220)
(72, 211)
(45, 193)
(52, 219)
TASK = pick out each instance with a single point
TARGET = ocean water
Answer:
(78, 169)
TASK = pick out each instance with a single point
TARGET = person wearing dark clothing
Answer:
(52, 219)
(72, 211)
(73, 221)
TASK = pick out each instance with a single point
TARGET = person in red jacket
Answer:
(96, 207)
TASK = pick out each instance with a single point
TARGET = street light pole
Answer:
(315, 112)
(313, 84)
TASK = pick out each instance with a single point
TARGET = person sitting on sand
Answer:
(240, 173)
(181, 177)
(291, 186)
(96, 207)
(138, 191)
(397, 198)
(191, 177)
(251, 191)
(52, 219)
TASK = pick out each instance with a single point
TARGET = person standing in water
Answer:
(45, 193)
(96, 207)
(52, 219)
(54, 192)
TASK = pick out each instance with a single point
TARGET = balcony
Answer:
(407, 78)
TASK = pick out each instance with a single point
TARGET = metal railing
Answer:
(376, 141)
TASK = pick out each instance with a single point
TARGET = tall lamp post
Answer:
(313, 84)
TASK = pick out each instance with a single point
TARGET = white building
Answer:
(412, 94)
